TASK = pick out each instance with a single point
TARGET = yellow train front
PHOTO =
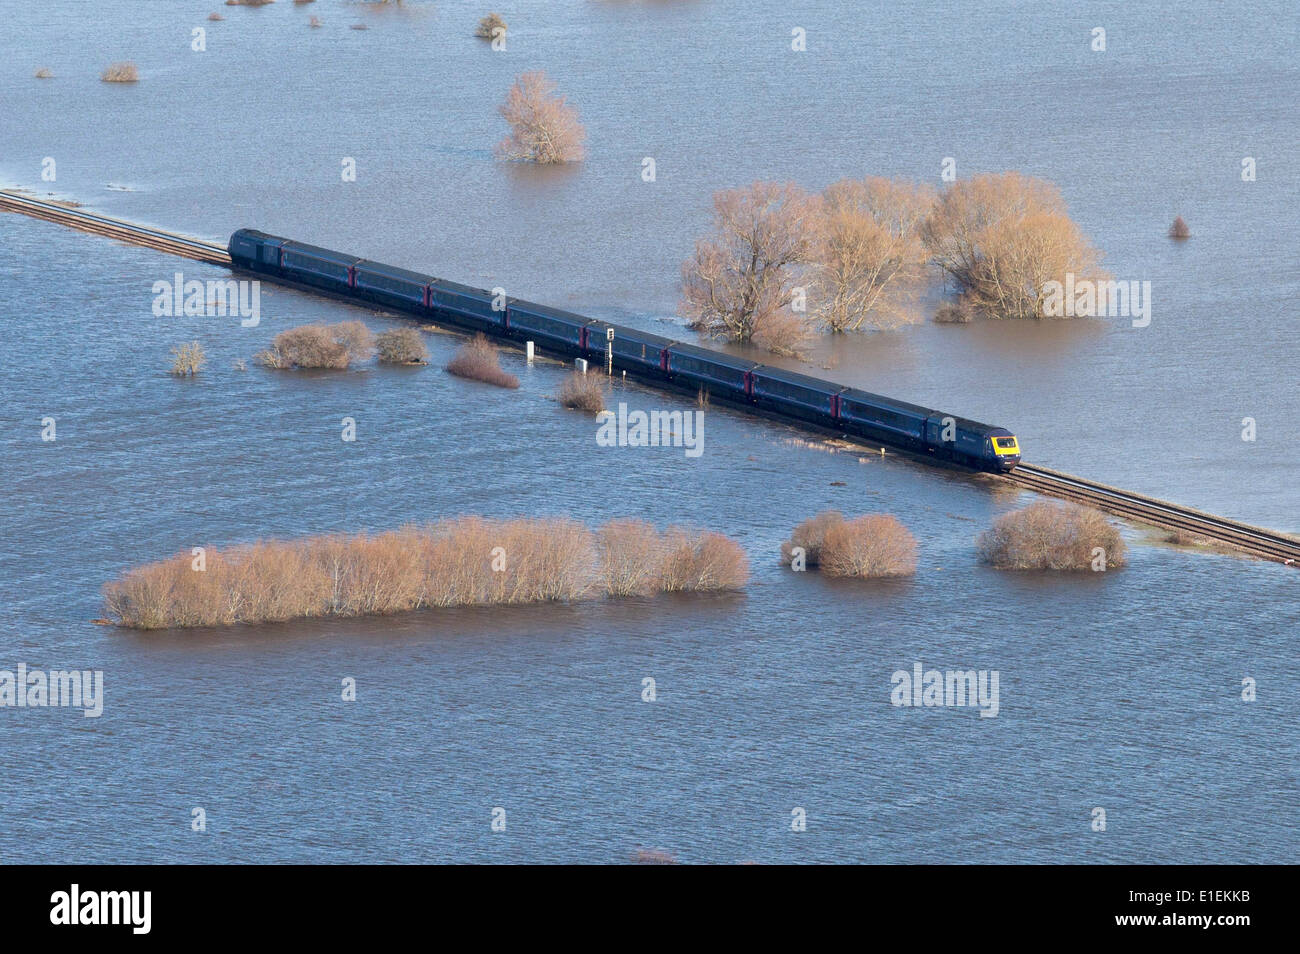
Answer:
(1005, 450)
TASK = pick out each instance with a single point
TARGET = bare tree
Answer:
(740, 283)
(543, 126)
(1002, 237)
(870, 258)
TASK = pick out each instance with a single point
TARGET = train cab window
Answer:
(1006, 443)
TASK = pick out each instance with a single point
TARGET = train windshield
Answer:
(1005, 443)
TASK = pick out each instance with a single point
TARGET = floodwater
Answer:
(1119, 691)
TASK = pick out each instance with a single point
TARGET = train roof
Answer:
(448, 284)
(795, 377)
(257, 235)
(325, 254)
(534, 308)
(966, 424)
(717, 357)
(392, 271)
(633, 334)
(879, 400)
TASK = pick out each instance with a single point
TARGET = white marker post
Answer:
(609, 351)
(528, 350)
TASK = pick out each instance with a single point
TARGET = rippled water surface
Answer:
(1119, 690)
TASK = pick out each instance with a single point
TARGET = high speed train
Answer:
(786, 394)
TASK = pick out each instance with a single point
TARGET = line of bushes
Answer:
(337, 346)
(1041, 536)
(468, 561)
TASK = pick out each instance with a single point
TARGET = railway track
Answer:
(1257, 541)
(1254, 540)
(162, 241)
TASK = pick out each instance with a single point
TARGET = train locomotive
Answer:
(739, 381)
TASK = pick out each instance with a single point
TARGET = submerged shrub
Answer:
(869, 547)
(699, 561)
(872, 546)
(583, 392)
(333, 346)
(44, 73)
(402, 346)
(490, 27)
(187, 359)
(479, 360)
(1051, 536)
(652, 856)
(810, 535)
(1180, 229)
(123, 72)
(631, 553)
(468, 561)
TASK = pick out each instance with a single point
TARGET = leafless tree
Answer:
(543, 126)
(869, 255)
(740, 283)
(1002, 237)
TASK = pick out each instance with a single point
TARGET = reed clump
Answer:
(583, 392)
(187, 359)
(479, 360)
(122, 72)
(466, 561)
(1052, 536)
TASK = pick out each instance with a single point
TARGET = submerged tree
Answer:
(544, 128)
(869, 254)
(740, 283)
(1003, 237)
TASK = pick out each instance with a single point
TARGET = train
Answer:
(788, 395)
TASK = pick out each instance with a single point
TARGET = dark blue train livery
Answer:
(736, 380)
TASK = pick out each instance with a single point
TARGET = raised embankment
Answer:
(1257, 541)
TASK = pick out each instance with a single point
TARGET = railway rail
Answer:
(163, 241)
(1256, 541)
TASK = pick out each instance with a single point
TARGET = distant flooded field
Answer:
(1119, 690)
